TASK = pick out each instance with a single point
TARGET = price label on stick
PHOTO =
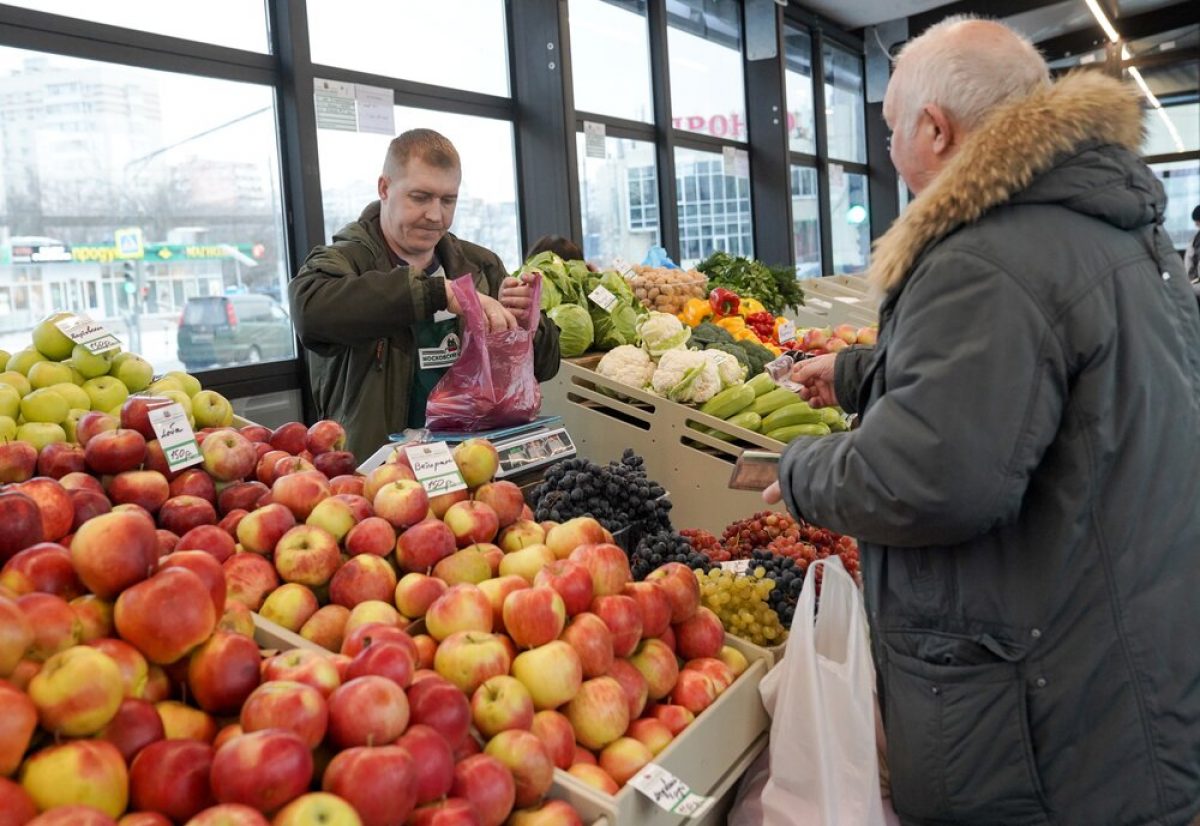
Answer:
(737, 566)
(435, 468)
(175, 434)
(92, 335)
(669, 792)
(787, 332)
(603, 298)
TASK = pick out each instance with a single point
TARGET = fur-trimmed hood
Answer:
(999, 161)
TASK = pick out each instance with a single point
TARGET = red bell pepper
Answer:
(763, 324)
(724, 302)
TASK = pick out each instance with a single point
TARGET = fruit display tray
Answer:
(837, 299)
(604, 417)
(710, 756)
(275, 637)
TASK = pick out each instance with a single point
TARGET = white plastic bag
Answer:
(822, 764)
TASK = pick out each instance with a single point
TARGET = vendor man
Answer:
(375, 309)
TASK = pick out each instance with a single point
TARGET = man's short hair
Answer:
(1196, 214)
(432, 147)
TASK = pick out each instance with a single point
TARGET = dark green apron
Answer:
(438, 343)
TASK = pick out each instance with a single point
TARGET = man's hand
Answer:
(498, 318)
(816, 374)
(516, 296)
(772, 494)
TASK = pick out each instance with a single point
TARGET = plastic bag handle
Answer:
(468, 300)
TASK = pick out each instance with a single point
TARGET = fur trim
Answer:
(1015, 144)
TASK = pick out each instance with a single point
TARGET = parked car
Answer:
(217, 331)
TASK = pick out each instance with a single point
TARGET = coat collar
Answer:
(1016, 143)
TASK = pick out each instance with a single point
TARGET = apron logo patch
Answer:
(444, 355)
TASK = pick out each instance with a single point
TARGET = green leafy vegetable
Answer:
(575, 329)
(776, 287)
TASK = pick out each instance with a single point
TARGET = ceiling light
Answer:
(1103, 20)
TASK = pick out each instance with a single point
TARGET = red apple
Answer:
(204, 566)
(534, 616)
(654, 606)
(16, 806)
(384, 659)
(166, 541)
(18, 460)
(681, 588)
(592, 641)
(367, 711)
(371, 633)
(54, 504)
(451, 811)
(403, 503)
(223, 672)
(229, 814)
(54, 624)
(575, 533)
(158, 685)
(44, 567)
(230, 521)
(550, 813)
(700, 636)
(694, 690)
(624, 620)
(291, 437)
(583, 757)
(73, 815)
(599, 712)
(461, 608)
(171, 777)
(433, 761)
(521, 534)
(240, 496)
(236, 619)
(624, 758)
(555, 732)
(378, 782)
(492, 553)
(181, 514)
(20, 523)
(57, 459)
(327, 627)
(134, 669)
(210, 539)
(282, 704)
(135, 413)
(114, 551)
(147, 488)
(463, 567)
(721, 674)
(307, 555)
(335, 463)
(87, 504)
(17, 724)
(437, 703)
(505, 498)
(526, 757)
(263, 769)
(633, 684)
(135, 726)
(497, 591)
(499, 704)
(259, 532)
(487, 784)
(248, 579)
(360, 508)
(156, 460)
(194, 482)
(16, 635)
(301, 492)
(175, 592)
(347, 483)
(228, 455)
(608, 566)
(264, 470)
(415, 592)
(115, 451)
(324, 436)
(472, 522)
(657, 664)
(426, 650)
(442, 503)
(651, 733)
(362, 578)
(374, 535)
(333, 515)
(594, 776)
(384, 475)
(291, 464)
(95, 617)
(92, 423)
(571, 580)
(468, 658)
(256, 433)
(305, 666)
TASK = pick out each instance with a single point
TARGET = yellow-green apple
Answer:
(378, 782)
(265, 770)
(721, 674)
(694, 690)
(229, 814)
(620, 613)
(403, 503)
(335, 463)
(467, 658)
(317, 809)
(40, 434)
(423, 545)
(334, 516)
(735, 659)
(81, 772)
(555, 732)
(211, 409)
(44, 567)
(45, 374)
(681, 588)
(187, 384)
(608, 565)
(18, 460)
(16, 380)
(623, 758)
(236, 619)
(59, 458)
(347, 483)
(373, 612)
(264, 469)
(385, 475)
(367, 711)
(361, 579)
(131, 665)
(223, 672)
(16, 635)
(10, 401)
(521, 534)
(327, 626)
(133, 371)
(465, 566)
(158, 685)
(437, 703)
(175, 592)
(572, 582)
(433, 762)
(324, 436)
(552, 673)
(415, 592)
(92, 424)
(594, 776)
(656, 662)
(291, 437)
(44, 406)
(115, 451)
(301, 492)
(22, 360)
(599, 712)
(77, 398)
(182, 722)
(503, 497)
(259, 532)
(387, 659)
(534, 616)
(241, 496)
(180, 514)
(526, 562)
(491, 553)
(18, 719)
(307, 555)
(228, 455)
(69, 425)
(373, 535)
(633, 684)
(106, 392)
(171, 777)
(651, 733)
(461, 608)
(89, 364)
(290, 605)
(292, 706)
(426, 649)
(442, 503)
(592, 640)
(147, 488)
(248, 579)
(526, 757)
(477, 461)
(195, 482)
(54, 624)
(135, 726)
(487, 785)
(654, 606)
(204, 566)
(472, 522)
(700, 636)
(499, 704)
(574, 533)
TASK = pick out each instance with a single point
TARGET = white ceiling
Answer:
(855, 13)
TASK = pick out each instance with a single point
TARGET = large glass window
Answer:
(1181, 180)
(132, 195)
(849, 218)
(844, 104)
(806, 222)
(798, 78)
(239, 24)
(610, 58)
(1175, 127)
(619, 201)
(713, 207)
(704, 45)
(461, 44)
(350, 164)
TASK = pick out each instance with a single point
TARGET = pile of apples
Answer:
(821, 340)
(49, 387)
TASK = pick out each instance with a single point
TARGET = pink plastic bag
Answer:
(492, 384)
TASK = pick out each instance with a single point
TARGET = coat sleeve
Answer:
(338, 298)
(975, 389)
(848, 370)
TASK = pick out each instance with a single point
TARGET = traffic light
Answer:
(130, 282)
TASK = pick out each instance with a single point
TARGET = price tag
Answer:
(175, 434)
(669, 792)
(787, 332)
(435, 468)
(92, 335)
(737, 566)
(603, 298)
(594, 134)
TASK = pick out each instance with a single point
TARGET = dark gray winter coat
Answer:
(1025, 483)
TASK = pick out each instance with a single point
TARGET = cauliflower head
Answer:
(627, 364)
(686, 376)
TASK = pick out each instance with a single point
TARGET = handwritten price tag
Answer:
(603, 298)
(737, 566)
(787, 332)
(175, 434)
(434, 468)
(92, 335)
(668, 792)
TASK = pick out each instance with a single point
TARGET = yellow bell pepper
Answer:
(749, 306)
(747, 335)
(695, 311)
(733, 324)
